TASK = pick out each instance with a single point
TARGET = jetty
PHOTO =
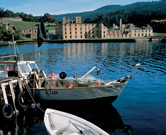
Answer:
(14, 90)
(8, 91)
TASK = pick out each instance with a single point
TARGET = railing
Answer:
(68, 83)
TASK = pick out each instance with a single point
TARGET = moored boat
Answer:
(60, 88)
(62, 123)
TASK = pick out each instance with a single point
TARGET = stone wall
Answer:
(4, 19)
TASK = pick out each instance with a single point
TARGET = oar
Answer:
(81, 132)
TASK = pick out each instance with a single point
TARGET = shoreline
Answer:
(89, 40)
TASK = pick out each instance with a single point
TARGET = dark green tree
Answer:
(48, 18)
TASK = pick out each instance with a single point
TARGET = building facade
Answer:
(132, 31)
(74, 29)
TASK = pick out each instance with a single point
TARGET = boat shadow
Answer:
(104, 116)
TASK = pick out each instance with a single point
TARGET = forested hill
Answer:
(158, 6)
(84, 15)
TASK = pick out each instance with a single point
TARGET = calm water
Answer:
(139, 110)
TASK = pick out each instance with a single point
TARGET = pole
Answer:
(88, 72)
(14, 45)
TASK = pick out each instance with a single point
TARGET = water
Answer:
(141, 107)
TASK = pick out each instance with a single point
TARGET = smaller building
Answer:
(132, 31)
(29, 33)
(4, 25)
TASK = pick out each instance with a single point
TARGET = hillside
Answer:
(84, 15)
(139, 6)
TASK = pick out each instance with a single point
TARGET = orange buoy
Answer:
(52, 76)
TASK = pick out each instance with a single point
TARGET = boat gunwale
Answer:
(80, 88)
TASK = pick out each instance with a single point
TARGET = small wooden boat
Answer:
(61, 123)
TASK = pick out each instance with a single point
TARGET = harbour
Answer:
(140, 105)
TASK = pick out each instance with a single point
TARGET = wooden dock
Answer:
(8, 87)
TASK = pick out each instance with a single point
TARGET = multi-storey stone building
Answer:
(74, 29)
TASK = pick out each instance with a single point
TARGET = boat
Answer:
(62, 88)
(62, 123)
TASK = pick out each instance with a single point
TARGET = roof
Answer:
(148, 27)
(137, 28)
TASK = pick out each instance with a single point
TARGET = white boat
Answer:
(60, 88)
(61, 123)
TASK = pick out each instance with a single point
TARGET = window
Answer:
(24, 68)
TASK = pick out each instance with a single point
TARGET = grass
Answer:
(22, 25)
(159, 34)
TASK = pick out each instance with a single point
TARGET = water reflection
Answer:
(31, 122)
(111, 57)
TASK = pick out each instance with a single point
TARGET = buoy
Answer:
(22, 106)
(52, 76)
(8, 69)
(62, 75)
(7, 111)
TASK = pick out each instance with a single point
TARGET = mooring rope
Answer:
(33, 99)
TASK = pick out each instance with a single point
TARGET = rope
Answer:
(34, 100)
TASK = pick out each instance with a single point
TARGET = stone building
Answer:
(29, 33)
(132, 31)
(74, 29)
(4, 25)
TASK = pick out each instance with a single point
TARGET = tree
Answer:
(1, 12)
(5, 35)
(9, 13)
(48, 18)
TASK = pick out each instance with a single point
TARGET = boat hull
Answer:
(82, 94)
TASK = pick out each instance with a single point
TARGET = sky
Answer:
(55, 7)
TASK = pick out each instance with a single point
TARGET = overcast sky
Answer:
(40, 7)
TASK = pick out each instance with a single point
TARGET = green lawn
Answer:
(22, 25)
(159, 34)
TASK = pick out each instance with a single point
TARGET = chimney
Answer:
(131, 26)
(120, 24)
(64, 20)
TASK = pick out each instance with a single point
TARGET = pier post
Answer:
(13, 95)
(4, 93)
